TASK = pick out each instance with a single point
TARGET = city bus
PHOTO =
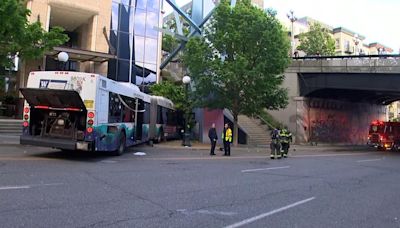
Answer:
(84, 111)
(165, 121)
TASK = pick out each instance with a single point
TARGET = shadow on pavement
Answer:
(80, 156)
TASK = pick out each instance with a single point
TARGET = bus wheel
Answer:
(160, 137)
(122, 145)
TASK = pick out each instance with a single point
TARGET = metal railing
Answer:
(265, 122)
(385, 56)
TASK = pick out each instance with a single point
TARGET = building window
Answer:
(337, 43)
(134, 36)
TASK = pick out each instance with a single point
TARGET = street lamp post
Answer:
(356, 42)
(186, 134)
(292, 19)
(62, 58)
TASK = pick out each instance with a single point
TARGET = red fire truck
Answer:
(384, 135)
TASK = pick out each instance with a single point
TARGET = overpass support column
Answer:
(302, 120)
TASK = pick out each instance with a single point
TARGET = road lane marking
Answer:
(331, 155)
(370, 160)
(206, 212)
(15, 187)
(263, 169)
(108, 161)
(27, 159)
(261, 216)
(28, 186)
(254, 157)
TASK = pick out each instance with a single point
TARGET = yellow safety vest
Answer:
(228, 135)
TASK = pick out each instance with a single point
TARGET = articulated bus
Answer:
(83, 111)
(168, 121)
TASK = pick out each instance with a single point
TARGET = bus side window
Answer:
(116, 109)
(171, 117)
(146, 119)
(160, 115)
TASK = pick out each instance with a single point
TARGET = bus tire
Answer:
(121, 145)
(160, 137)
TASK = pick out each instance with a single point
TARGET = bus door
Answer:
(140, 109)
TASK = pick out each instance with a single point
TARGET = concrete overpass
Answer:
(333, 99)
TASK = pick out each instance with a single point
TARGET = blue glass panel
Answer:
(123, 46)
(152, 24)
(113, 42)
(124, 23)
(150, 67)
(112, 69)
(139, 49)
(114, 16)
(141, 4)
(123, 70)
(151, 51)
(140, 19)
(153, 5)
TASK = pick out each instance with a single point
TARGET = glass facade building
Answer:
(134, 39)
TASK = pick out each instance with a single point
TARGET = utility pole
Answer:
(292, 19)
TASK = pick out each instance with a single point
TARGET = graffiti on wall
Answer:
(331, 121)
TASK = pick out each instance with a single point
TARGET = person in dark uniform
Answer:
(212, 134)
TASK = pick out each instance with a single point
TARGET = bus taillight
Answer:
(26, 110)
(89, 130)
(26, 117)
(90, 114)
(90, 122)
(25, 124)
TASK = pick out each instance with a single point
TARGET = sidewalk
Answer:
(177, 144)
(9, 139)
(13, 140)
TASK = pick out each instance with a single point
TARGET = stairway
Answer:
(257, 133)
(10, 127)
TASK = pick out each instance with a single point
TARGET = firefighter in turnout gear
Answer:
(286, 138)
(275, 144)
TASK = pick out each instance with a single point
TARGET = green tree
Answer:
(239, 62)
(17, 35)
(317, 41)
(169, 43)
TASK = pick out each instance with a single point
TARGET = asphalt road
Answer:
(42, 187)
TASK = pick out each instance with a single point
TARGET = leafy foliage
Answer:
(317, 41)
(239, 62)
(30, 41)
(169, 43)
(177, 94)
